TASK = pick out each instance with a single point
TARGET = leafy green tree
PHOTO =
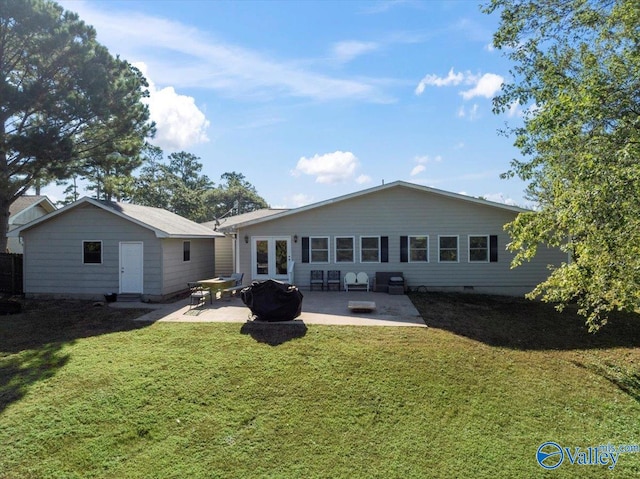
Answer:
(577, 75)
(236, 194)
(63, 99)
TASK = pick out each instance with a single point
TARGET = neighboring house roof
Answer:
(27, 202)
(229, 223)
(162, 222)
(395, 184)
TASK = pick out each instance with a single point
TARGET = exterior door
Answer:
(131, 262)
(270, 256)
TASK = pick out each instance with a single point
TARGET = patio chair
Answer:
(333, 279)
(236, 287)
(361, 281)
(198, 294)
(317, 277)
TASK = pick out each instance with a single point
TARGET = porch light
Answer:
(246, 239)
(295, 238)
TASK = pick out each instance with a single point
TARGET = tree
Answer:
(63, 99)
(237, 194)
(177, 186)
(577, 72)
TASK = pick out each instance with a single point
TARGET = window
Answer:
(478, 248)
(370, 249)
(186, 251)
(448, 246)
(319, 249)
(418, 249)
(92, 252)
(345, 250)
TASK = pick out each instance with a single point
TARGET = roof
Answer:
(162, 222)
(26, 202)
(229, 223)
(369, 191)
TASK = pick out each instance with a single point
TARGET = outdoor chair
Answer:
(317, 278)
(236, 287)
(333, 279)
(359, 281)
(198, 294)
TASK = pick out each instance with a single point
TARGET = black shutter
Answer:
(493, 249)
(404, 249)
(305, 249)
(384, 249)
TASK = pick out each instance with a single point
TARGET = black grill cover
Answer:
(272, 300)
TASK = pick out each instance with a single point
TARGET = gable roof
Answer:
(162, 222)
(26, 202)
(375, 189)
(229, 223)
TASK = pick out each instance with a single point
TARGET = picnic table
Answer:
(217, 285)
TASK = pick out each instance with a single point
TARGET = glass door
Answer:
(270, 257)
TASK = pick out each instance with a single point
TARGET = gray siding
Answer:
(177, 272)
(224, 256)
(401, 211)
(22, 218)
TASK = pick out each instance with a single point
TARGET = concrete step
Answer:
(129, 298)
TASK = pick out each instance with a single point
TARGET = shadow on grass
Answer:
(627, 381)
(274, 334)
(519, 323)
(32, 343)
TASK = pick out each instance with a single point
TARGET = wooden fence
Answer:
(10, 273)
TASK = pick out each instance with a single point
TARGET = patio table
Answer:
(216, 285)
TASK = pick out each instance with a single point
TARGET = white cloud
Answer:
(363, 179)
(418, 169)
(487, 86)
(348, 50)
(179, 122)
(469, 113)
(300, 199)
(329, 168)
(452, 78)
(423, 160)
(515, 110)
(185, 57)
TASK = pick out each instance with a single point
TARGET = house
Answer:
(90, 248)
(225, 246)
(23, 210)
(437, 239)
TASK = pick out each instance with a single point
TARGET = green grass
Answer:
(85, 392)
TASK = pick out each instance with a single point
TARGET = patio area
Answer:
(318, 307)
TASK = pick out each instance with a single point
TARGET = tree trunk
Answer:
(5, 203)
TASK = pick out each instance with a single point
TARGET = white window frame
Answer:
(353, 249)
(101, 252)
(457, 237)
(362, 249)
(328, 250)
(409, 249)
(488, 248)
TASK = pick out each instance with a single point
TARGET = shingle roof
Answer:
(25, 201)
(228, 223)
(164, 223)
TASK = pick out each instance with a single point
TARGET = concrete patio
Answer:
(318, 307)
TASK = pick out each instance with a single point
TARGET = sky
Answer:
(313, 100)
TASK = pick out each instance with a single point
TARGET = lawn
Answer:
(87, 392)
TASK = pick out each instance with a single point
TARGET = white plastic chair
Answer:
(362, 280)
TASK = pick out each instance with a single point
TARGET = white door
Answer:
(131, 267)
(270, 256)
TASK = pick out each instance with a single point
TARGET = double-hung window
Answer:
(479, 248)
(92, 252)
(319, 249)
(369, 249)
(448, 249)
(345, 249)
(418, 249)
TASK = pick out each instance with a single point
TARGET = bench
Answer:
(231, 291)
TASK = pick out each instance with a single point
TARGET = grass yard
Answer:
(87, 393)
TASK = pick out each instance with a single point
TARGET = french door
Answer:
(270, 257)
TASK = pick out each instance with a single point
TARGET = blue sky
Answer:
(312, 100)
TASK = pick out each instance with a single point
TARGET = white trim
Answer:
(101, 252)
(120, 266)
(335, 249)
(469, 248)
(379, 249)
(457, 237)
(409, 248)
(328, 238)
(271, 252)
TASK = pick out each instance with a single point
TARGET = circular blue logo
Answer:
(550, 455)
